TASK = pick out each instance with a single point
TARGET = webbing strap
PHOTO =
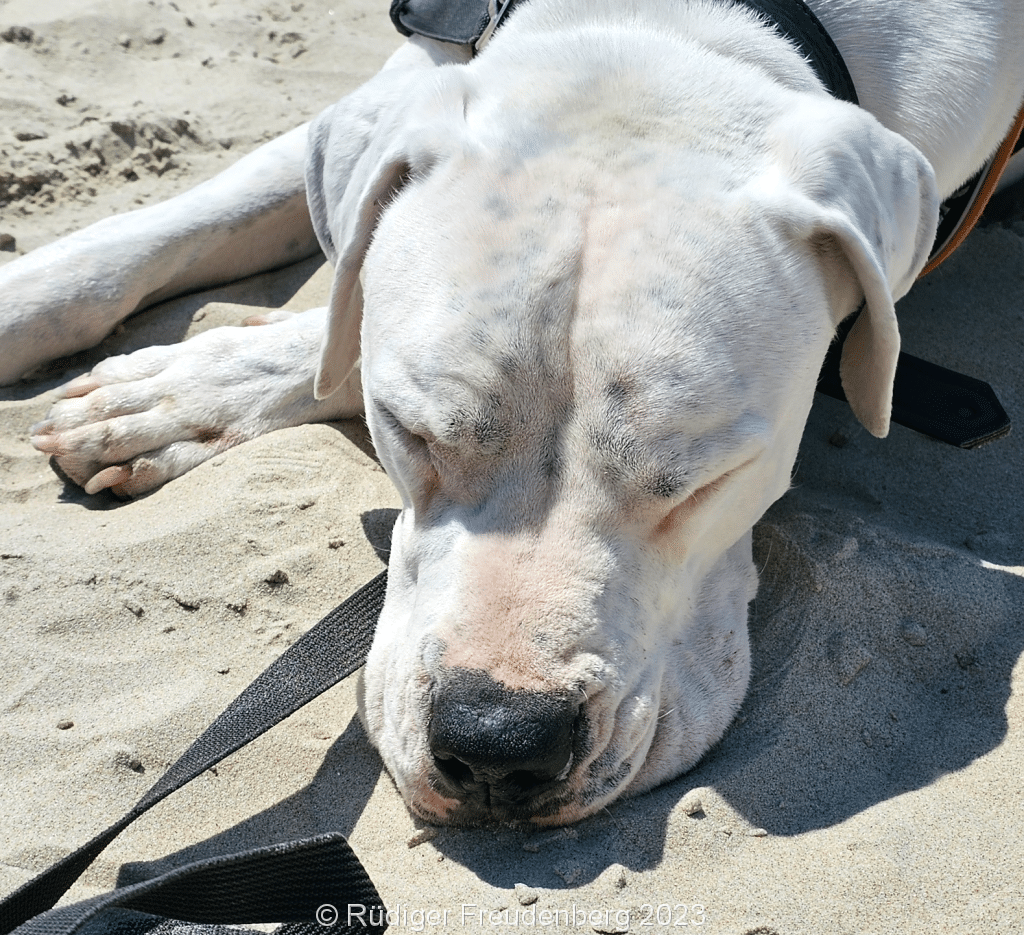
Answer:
(295, 882)
(322, 657)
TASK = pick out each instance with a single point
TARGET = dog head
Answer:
(593, 321)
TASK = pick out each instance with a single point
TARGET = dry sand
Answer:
(872, 782)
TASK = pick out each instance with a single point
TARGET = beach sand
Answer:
(872, 782)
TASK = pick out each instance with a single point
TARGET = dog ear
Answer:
(845, 176)
(358, 164)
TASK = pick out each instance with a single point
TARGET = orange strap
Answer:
(995, 170)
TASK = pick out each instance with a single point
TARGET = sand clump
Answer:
(45, 171)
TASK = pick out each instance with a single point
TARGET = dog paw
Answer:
(140, 419)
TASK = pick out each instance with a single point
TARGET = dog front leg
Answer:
(138, 420)
(70, 294)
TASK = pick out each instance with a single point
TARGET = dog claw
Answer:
(43, 441)
(108, 477)
(80, 386)
(270, 317)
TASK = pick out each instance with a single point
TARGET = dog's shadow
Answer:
(837, 719)
(332, 801)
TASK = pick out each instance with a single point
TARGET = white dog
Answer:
(601, 264)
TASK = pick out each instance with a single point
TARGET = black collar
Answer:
(796, 21)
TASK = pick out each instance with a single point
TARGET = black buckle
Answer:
(940, 403)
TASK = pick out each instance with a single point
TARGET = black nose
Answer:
(497, 745)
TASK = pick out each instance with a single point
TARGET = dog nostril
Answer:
(505, 743)
(455, 771)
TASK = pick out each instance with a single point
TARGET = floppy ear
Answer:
(355, 169)
(845, 176)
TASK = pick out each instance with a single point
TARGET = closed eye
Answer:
(400, 433)
(415, 461)
(427, 463)
(682, 512)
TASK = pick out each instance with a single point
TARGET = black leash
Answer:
(281, 883)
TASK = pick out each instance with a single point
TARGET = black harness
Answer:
(933, 400)
(473, 22)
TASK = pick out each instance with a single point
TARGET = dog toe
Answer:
(149, 471)
(41, 438)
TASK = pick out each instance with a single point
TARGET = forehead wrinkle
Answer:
(504, 358)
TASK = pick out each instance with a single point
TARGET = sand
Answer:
(872, 781)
